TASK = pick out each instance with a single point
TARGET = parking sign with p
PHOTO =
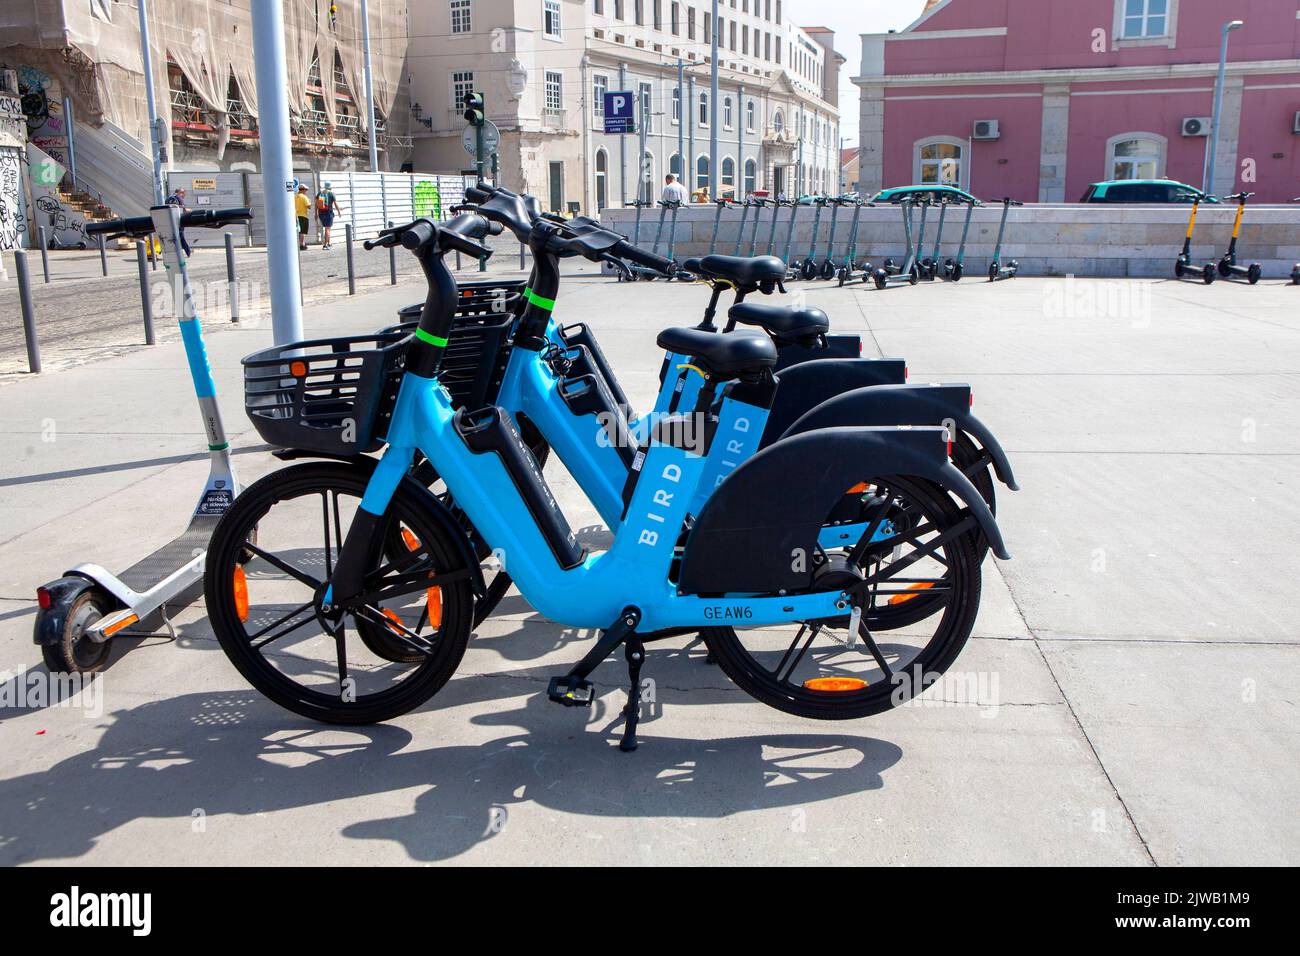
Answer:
(620, 111)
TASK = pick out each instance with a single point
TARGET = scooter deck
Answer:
(149, 570)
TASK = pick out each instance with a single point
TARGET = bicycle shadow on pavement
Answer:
(235, 753)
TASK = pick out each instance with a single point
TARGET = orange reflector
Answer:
(834, 685)
(116, 626)
(298, 369)
(392, 616)
(903, 598)
(859, 488)
(432, 596)
(241, 593)
(410, 540)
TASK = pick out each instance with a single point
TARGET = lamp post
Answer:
(1213, 154)
(713, 109)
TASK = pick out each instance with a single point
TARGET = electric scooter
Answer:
(929, 265)
(1229, 268)
(807, 268)
(753, 231)
(745, 206)
(1183, 265)
(891, 274)
(722, 203)
(789, 238)
(771, 231)
(997, 271)
(631, 275)
(79, 612)
(954, 267)
(849, 272)
(827, 270)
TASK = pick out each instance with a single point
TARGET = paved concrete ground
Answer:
(1140, 651)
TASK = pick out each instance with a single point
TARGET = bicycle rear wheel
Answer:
(818, 669)
(267, 613)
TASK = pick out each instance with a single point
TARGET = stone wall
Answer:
(1047, 239)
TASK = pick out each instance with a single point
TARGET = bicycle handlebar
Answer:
(459, 234)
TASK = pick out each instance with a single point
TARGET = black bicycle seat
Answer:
(721, 355)
(742, 270)
(785, 322)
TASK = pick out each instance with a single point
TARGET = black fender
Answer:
(930, 404)
(50, 622)
(808, 384)
(751, 531)
(837, 347)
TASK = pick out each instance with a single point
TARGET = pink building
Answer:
(1036, 99)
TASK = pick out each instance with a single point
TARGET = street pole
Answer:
(681, 116)
(640, 158)
(370, 85)
(688, 161)
(713, 109)
(622, 143)
(271, 76)
(740, 144)
(1213, 155)
(155, 146)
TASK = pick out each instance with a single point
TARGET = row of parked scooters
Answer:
(823, 263)
(1228, 266)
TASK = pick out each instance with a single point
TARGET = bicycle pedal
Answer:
(571, 691)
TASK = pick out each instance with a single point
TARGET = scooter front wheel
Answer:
(818, 669)
(955, 273)
(842, 276)
(1254, 273)
(1209, 274)
(828, 270)
(1178, 269)
(808, 269)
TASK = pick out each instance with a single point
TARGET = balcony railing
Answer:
(554, 118)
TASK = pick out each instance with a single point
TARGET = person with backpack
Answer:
(327, 205)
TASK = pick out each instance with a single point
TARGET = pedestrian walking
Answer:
(327, 205)
(302, 209)
(177, 198)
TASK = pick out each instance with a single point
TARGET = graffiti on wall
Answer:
(12, 225)
(44, 111)
(65, 226)
(426, 199)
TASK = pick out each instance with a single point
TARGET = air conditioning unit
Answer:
(1197, 126)
(1295, 127)
(986, 129)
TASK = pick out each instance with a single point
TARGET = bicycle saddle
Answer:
(786, 322)
(743, 271)
(721, 355)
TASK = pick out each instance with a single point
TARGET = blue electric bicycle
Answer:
(713, 538)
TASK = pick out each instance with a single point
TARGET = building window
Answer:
(677, 105)
(749, 116)
(726, 112)
(602, 179)
(778, 11)
(708, 28)
(647, 112)
(727, 185)
(554, 91)
(645, 188)
(733, 36)
(702, 173)
(751, 176)
(704, 109)
(551, 17)
(600, 85)
(744, 40)
(690, 23)
(767, 9)
(939, 160)
(1145, 18)
(462, 84)
(460, 16)
(598, 7)
(767, 46)
(618, 10)
(778, 122)
(1136, 156)
(674, 16)
(638, 12)
(675, 166)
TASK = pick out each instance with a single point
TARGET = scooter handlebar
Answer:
(648, 260)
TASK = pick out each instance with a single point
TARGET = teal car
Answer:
(1144, 191)
(932, 191)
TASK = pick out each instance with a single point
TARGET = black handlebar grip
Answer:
(449, 240)
(417, 234)
(216, 217)
(477, 194)
(470, 225)
(625, 250)
(108, 225)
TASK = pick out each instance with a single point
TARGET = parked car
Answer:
(932, 190)
(1144, 191)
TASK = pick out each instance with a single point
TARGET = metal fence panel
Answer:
(211, 190)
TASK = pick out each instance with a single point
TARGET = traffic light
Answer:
(474, 109)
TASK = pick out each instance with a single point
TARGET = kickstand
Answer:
(634, 651)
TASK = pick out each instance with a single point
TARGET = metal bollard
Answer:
(232, 285)
(45, 252)
(457, 260)
(29, 311)
(521, 255)
(146, 306)
(347, 242)
(153, 254)
(103, 255)
(392, 260)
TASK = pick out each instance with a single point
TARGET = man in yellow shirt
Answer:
(302, 209)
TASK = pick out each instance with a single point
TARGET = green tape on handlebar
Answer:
(540, 301)
(424, 336)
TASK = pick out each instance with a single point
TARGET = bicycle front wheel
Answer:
(267, 615)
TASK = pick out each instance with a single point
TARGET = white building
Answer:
(543, 65)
